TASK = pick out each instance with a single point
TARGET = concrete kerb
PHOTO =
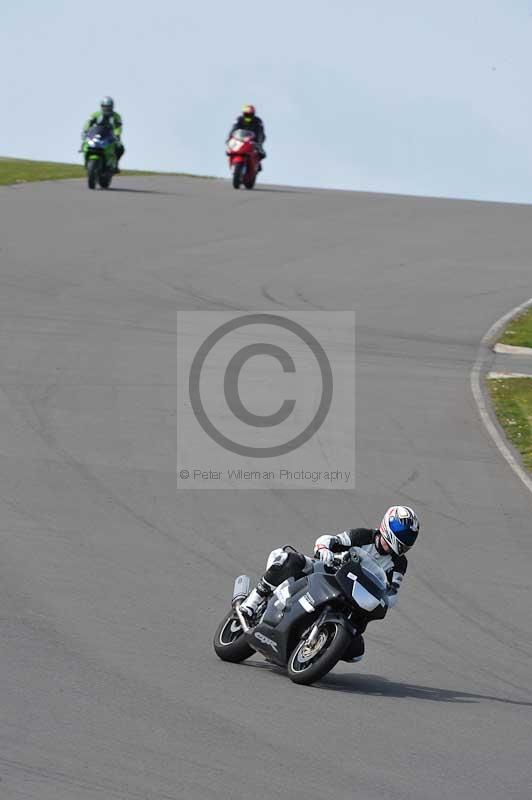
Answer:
(484, 356)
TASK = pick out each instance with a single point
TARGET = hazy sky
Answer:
(412, 97)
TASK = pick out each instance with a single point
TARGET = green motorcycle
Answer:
(99, 149)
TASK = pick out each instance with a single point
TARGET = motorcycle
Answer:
(307, 625)
(99, 149)
(243, 158)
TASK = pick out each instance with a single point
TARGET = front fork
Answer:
(313, 635)
(241, 617)
(91, 157)
(314, 631)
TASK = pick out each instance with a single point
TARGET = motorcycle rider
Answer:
(107, 116)
(387, 545)
(249, 121)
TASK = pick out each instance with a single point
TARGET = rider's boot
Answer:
(256, 598)
(120, 150)
(354, 651)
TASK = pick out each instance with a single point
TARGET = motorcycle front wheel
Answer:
(310, 662)
(229, 644)
(249, 183)
(238, 171)
(92, 173)
(104, 179)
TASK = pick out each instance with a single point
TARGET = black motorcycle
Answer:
(309, 624)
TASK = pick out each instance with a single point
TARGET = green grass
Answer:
(512, 401)
(519, 331)
(17, 170)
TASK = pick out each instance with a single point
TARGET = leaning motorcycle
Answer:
(307, 625)
(244, 158)
(99, 149)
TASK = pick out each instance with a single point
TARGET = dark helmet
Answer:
(107, 105)
(248, 112)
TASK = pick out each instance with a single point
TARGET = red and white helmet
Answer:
(399, 528)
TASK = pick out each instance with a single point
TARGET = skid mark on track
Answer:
(493, 628)
(472, 664)
(264, 290)
(27, 408)
(411, 478)
(446, 494)
(65, 779)
(192, 294)
(307, 302)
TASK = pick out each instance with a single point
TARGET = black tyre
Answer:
(251, 183)
(237, 175)
(104, 179)
(229, 643)
(308, 664)
(92, 173)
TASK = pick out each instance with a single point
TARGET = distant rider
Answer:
(108, 116)
(249, 121)
(387, 546)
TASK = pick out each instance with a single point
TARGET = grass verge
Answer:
(18, 170)
(512, 401)
(519, 331)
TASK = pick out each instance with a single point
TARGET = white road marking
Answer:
(504, 375)
(510, 348)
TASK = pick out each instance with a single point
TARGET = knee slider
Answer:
(277, 556)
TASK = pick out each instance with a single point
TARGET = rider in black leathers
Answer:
(249, 121)
(387, 545)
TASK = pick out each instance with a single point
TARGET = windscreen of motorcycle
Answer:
(362, 597)
(366, 586)
(100, 133)
(243, 135)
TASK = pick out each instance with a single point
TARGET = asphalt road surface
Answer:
(111, 582)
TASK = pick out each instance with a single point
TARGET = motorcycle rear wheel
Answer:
(92, 173)
(308, 664)
(229, 644)
(237, 175)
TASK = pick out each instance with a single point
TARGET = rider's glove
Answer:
(325, 555)
(391, 596)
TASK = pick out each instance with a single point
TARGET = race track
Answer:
(111, 583)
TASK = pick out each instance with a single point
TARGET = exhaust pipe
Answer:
(241, 590)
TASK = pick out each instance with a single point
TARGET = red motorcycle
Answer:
(243, 158)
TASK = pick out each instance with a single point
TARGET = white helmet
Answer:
(399, 528)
